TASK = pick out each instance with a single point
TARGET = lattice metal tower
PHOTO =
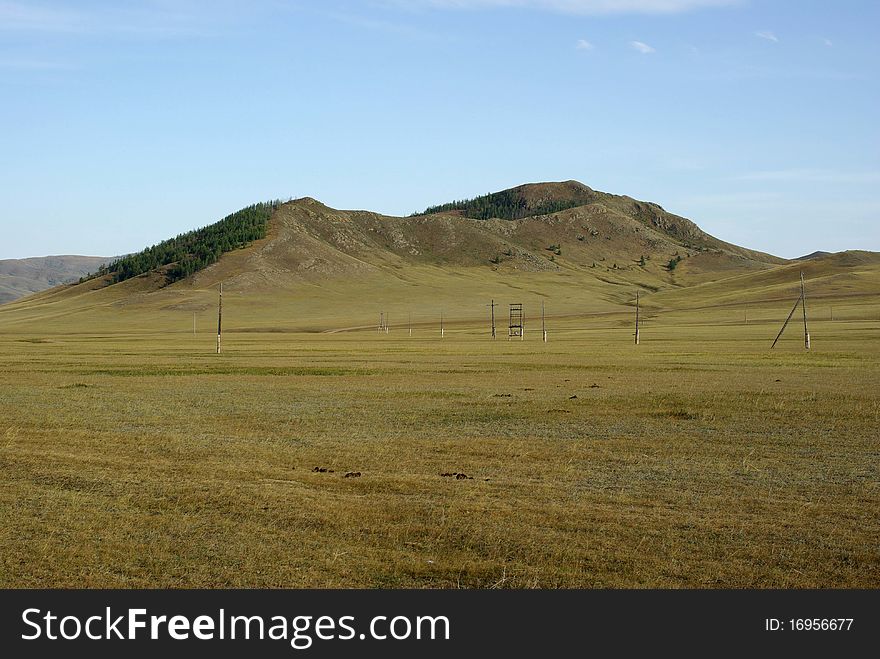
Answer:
(516, 326)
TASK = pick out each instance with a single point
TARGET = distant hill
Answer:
(814, 255)
(839, 275)
(21, 277)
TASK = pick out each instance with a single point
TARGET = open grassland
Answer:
(699, 458)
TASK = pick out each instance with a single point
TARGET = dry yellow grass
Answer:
(699, 458)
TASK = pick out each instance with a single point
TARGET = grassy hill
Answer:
(319, 268)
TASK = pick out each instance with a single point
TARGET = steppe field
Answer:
(132, 455)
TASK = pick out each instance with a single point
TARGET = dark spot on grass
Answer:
(457, 475)
(678, 413)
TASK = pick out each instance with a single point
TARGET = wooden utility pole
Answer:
(442, 331)
(410, 323)
(637, 318)
(785, 324)
(220, 318)
(493, 318)
(543, 325)
(804, 307)
(802, 300)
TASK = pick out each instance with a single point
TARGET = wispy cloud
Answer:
(642, 47)
(583, 44)
(805, 175)
(24, 64)
(828, 42)
(767, 35)
(572, 6)
(378, 25)
(150, 18)
(20, 16)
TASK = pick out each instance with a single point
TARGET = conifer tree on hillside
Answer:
(195, 250)
(507, 205)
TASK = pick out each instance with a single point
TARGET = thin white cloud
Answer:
(642, 47)
(810, 176)
(767, 35)
(20, 16)
(158, 18)
(828, 42)
(23, 64)
(572, 6)
(583, 44)
(378, 25)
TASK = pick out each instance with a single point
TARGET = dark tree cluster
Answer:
(192, 251)
(507, 205)
(673, 262)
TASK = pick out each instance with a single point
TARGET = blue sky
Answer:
(124, 123)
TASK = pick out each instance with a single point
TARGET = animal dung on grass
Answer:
(456, 475)
(352, 474)
(323, 470)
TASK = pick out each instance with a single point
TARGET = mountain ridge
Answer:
(23, 277)
(338, 264)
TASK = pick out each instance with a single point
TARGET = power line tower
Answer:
(515, 326)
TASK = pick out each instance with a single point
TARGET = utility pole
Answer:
(802, 300)
(410, 323)
(492, 306)
(804, 307)
(493, 319)
(194, 323)
(220, 318)
(637, 318)
(442, 332)
(543, 325)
